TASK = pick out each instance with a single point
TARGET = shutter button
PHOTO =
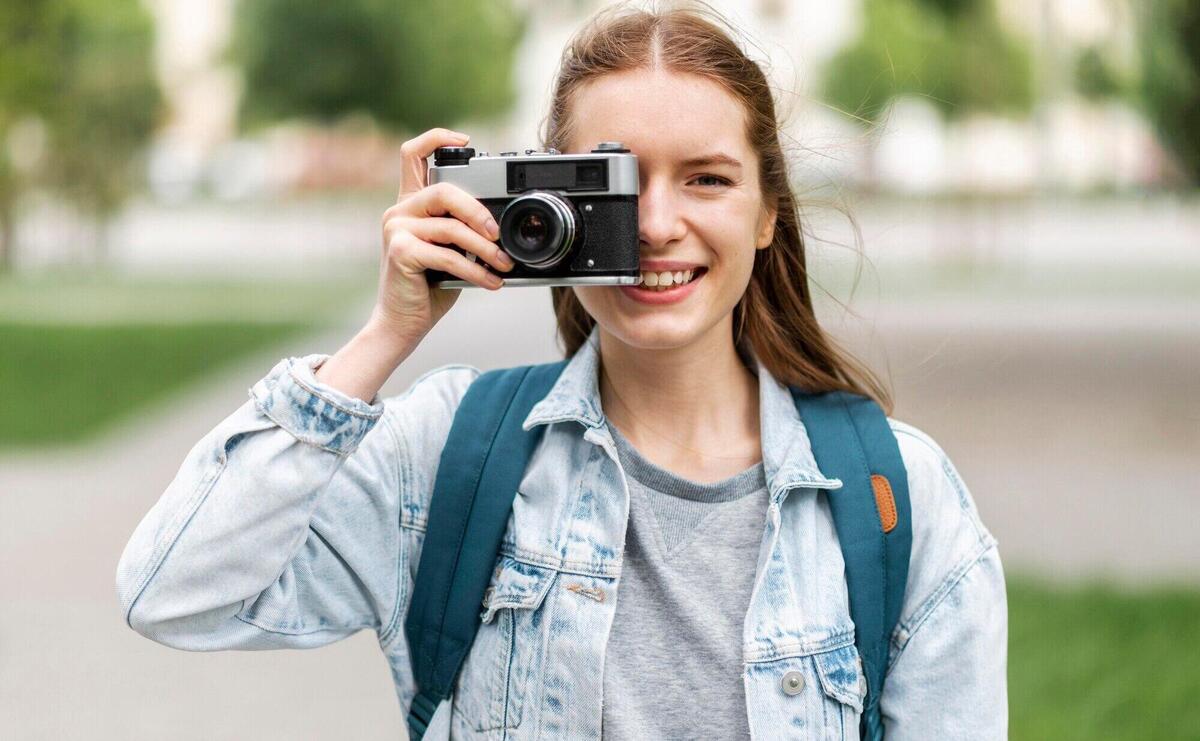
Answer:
(793, 683)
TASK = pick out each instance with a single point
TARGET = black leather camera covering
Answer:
(608, 236)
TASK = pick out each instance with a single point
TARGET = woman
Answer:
(638, 593)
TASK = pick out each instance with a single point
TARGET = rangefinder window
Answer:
(568, 176)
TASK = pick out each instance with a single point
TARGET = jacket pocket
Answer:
(508, 649)
(842, 682)
(813, 696)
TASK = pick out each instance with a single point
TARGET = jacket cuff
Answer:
(314, 412)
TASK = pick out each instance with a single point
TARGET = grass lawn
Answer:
(81, 351)
(1094, 662)
(62, 383)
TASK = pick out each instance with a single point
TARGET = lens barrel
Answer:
(537, 229)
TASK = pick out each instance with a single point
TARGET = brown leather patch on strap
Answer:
(884, 502)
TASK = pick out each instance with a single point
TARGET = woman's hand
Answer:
(406, 308)
(424, 218)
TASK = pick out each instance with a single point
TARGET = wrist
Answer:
(387, 343)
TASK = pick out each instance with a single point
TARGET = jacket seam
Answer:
(168, 541)
(800, 649)
(557, 563)
(906, 630)
(347, 630)
(964, 498)
(401, 559)
(402, 449)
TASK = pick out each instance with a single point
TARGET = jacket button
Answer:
(793, 683)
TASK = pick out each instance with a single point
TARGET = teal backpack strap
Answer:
(852, 441)
(482, 464)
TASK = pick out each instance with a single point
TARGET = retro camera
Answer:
(565, 219)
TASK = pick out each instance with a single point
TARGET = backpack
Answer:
(482, 465)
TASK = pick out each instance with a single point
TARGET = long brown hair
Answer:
(775, 315)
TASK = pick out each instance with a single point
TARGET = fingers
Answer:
(444, 198)
(415, 151)
(452, 231)
(451, 261)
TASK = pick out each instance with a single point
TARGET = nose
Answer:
(660, 221)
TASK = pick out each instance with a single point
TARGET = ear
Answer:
(766, 228)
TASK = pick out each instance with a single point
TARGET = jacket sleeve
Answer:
(947, 674)
(284, 526)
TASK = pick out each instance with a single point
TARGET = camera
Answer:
(565, 219)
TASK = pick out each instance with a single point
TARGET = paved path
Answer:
(1077, 429)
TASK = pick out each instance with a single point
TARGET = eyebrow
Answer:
(716, 158)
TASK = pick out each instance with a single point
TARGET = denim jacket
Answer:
(298, 520)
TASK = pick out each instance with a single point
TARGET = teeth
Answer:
(665, 280)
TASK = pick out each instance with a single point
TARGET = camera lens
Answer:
(532, 231)
(537, 229)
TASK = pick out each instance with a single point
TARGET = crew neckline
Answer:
(655, 477)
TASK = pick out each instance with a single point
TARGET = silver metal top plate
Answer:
(487, 177)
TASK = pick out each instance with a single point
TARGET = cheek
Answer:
(730, 236)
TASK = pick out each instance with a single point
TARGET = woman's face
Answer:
(700, 204)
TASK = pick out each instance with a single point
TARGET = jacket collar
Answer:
(788, 460)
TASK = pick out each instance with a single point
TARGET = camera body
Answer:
(565, 219)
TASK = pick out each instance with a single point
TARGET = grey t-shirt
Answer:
(673, 663)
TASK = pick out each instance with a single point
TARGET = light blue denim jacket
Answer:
(298, 520)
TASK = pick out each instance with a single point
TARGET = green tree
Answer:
(411, 64)
(107, 107)
(84, 69)
(1170, 80)
(1096, 77)
(954, 52)
(27, 77)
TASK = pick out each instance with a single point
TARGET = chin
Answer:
(653, 332)
(660, 328)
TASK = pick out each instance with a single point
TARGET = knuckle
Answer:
(389, 222)
(441, 228)
(397, 245)
(393, 226)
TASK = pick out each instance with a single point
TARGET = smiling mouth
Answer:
(666, 280)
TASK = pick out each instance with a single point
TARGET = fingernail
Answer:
(493, 228)
(504, 259)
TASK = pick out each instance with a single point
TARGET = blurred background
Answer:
(1000, 198)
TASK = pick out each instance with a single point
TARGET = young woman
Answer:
(670, 568)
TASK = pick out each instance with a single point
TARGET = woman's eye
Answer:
(717, 178)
